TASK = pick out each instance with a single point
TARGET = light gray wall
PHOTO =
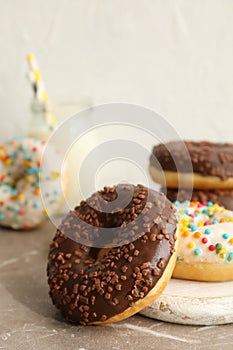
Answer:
(173, 56)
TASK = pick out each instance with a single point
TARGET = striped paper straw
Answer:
(39, 89)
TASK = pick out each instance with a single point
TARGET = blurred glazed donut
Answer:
(20, 169)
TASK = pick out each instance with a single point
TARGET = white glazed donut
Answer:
(206, 244)
(21, 205)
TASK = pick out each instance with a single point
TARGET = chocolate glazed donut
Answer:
(94, 285)
(212, 165)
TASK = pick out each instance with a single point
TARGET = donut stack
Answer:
(197, 171)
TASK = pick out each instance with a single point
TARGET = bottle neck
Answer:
(36, 106)
(38, 127)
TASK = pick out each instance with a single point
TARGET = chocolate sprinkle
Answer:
(104, 282)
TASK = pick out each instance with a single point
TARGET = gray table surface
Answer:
(28, 320)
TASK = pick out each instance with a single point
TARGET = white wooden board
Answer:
(193, 303)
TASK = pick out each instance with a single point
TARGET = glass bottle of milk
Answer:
(38, 127)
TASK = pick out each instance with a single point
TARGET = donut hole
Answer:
(92, 223)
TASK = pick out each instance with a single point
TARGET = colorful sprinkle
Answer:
(185, 234)
(197, 235)
(229, 257)
(204, 240)
(197, 251)
(208, 231)
(218, 246)
(191, 245)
